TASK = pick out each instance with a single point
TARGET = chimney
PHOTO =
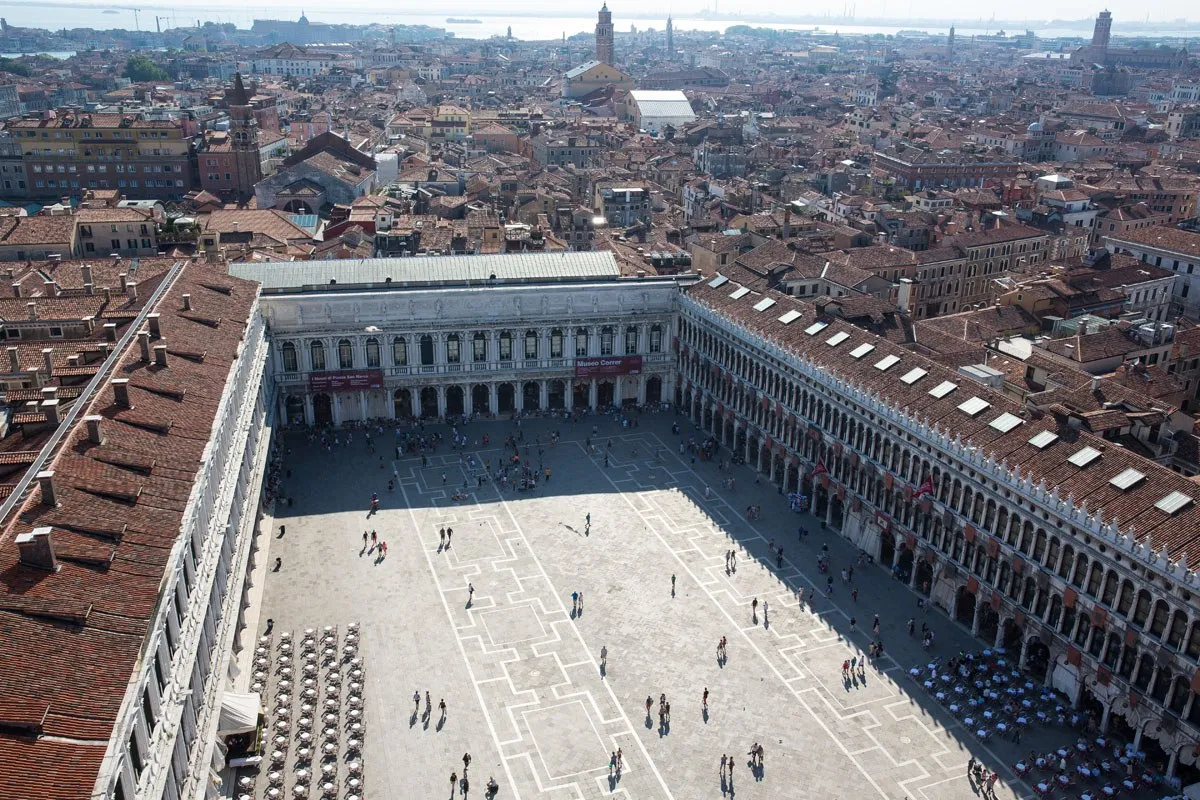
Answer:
(187, 302)
(48, 360)
(50, 392)
(160, 355)
(89, 289)
(155, 329)
(107, 294)
(36, 550)
(110, 331)
(36, 377)
(31, 306)
(144, 344)
(787, 223)
(46, 480)
(1095, 385)
(131, 286)
(93, 428)
(86, 271)
(14, 360)
(124, 281)
(121, 390)
(50, 409)
(16, 290)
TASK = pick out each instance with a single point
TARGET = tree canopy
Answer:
(140, 68)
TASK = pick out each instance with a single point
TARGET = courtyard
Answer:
(520, 670)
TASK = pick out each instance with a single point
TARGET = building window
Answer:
(316, 353)
(288, 351)
(631, 340)
(606, 341)
(655, 338)
(581, 342)
(452, 349)
(345, 354)
(479, 346)
(531, 344)
(372, 352)
(556, 343)
(506, 346)
(399, 352)
(427, 350)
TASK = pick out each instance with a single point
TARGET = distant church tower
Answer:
(604, 37)
(950, 45)
(1102, 30)
(243, 127)
(670, 37)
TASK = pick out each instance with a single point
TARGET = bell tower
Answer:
(604, 36)
(243, 130)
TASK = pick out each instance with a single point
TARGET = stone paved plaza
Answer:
(521, 674)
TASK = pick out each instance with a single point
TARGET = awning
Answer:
(239, 713)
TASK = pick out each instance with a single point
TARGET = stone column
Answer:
(1104, 718)
(362, 405)
(1024, 653)
(568, 395)
(642, 390)
(519, 395)
(999, 635)
(618, 393)
(544, 393)
(593, 394)
(493, 398)
(441, 401)
(337, 407)
(1137, 738)
(309, 418)
(975, 619)
(1171, 762)
(829, 512)
(912, 578)
(414, 396)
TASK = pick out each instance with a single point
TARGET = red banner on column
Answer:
(347, 380)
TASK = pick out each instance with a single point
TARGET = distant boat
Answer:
(110, 11)
(457, 21)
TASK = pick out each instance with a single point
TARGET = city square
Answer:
(520, 671)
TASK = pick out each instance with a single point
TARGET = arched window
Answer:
(506, 346)
(426, 350)
(288, 352)
(631, 340)
(316, 353)
(531, 344)
(399, 352)
(453, 354)
(345, 354)
(581, 342)
(656, 338)
(606, 340)
(479, 346)
(372, 352)
(556, 343)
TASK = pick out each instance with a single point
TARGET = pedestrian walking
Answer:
(672, 585)
(449, 535)
(612, 763)
(443, 479)
(721, 771)
(466, 763)
(971, 767)
(416, 701)
(574, 602)
(453, 782)
(704, 699)
(365, 536)
(374, 538)
(581, 601)
(911, 625)
(649, 704)
(603, 655)
(442, 537)
(875, 625)
(754, 608)
(853, 621)
(442, 707)
(470, 591)
(620, 759)
(766, 609)
(428, 703)
(854, 594)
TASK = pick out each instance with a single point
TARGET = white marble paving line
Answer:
(512, 784)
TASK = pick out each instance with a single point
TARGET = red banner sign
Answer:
(349, 380)
(608, 365)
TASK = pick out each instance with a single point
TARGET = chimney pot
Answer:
(107, 294)
(93, 428)
(46, 480)
(155, 329)
(37, 550)
(14, 360)
(144, 343)
(50, 409)
(50, 392)
(160, 355)
(110, 331)
(48, 360)
(121, 390)
(187, 302)
(124, 281)
(89, 288)
(16, 290)
(32, 308)
(131, 287)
